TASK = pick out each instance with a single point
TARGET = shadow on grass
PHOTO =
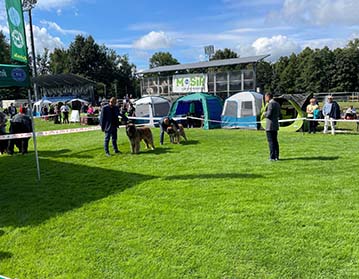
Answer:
(64, 153)
(214, 176)
(63, 187)
(191, 142)
(5, 255)
(156, 151)
(2, 232)
(318, 158)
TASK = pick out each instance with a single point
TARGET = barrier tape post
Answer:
(34, 138)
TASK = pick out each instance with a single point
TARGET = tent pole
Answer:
(34, 137)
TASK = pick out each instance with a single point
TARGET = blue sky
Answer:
(140, 28)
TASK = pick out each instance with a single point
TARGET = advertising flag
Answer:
(17, 30)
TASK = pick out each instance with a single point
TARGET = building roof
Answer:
(61, 80)
(208, 64)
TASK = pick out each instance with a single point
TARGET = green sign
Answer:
(14, 75)
(17, 30)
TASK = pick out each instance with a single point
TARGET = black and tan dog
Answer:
(176, 133)
(136, 134)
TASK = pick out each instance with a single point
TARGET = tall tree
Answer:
(224, 54)
(4, 49)
(264, 76)
(59, 61)
(43, 63)
(162, 59)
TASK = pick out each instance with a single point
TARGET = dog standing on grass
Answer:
(136, 134)
(176, 133)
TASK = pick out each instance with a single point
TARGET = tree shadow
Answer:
(191, 142)
(318, 158)
(63, 153)
(5, 255)
(63, 187)
(214, 176)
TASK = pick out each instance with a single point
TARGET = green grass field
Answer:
(212, 208)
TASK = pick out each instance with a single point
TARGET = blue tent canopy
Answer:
(200, 105)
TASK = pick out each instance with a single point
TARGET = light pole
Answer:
(28, 5)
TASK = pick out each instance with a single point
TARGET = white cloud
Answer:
(119, 46)
(4, 29)
(43, 39)
(325, 42)
(56, 27)
(146, 26)
(153, 40)
(276, 46)
(53, 4)
(320, 12)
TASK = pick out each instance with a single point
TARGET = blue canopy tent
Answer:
(199, 105)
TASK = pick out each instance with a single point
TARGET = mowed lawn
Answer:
(212, 208)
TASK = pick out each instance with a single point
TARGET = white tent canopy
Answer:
(78, 100)
(242, 110)
(151, 108)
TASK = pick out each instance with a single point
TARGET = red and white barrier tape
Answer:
(50, 133)
(98, 128)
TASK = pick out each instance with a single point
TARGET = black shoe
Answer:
(118, 152)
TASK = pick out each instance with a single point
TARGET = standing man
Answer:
(272, 115)
(12, 110)
(164, 124)
(331, 111)
(109, 123)
(65, 111)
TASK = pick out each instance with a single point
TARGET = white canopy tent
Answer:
(242, 110)
(40, 104)
(151, 109)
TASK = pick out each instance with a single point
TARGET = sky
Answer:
(140, 28)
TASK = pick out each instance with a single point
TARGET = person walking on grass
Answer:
(272, 115)
(109, 123)
(331, 112)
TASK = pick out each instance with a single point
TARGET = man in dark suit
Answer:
(109, 123)
(272, 115)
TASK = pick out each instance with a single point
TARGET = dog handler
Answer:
(109, 123)
(164, 124)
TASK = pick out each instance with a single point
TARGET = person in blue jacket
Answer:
(109, 121)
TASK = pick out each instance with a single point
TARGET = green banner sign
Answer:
(14, 75)
(17, 30)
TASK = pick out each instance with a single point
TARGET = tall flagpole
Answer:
(28, 5)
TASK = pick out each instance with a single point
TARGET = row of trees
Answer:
(83, 57)
(312, 70)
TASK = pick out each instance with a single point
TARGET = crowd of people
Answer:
(113, 113)
(330, 113)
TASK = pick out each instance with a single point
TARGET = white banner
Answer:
(190, 83)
